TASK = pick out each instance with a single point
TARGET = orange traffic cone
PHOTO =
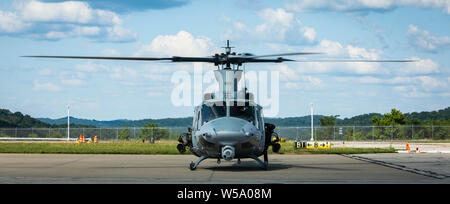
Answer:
(95, 139)
(407, 146)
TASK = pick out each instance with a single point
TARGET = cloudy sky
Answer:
(343, 29)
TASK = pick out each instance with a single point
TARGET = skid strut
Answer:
(193, 165)
(264, 165)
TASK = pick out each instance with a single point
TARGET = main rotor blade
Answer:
(103, 58)
(277, 60)
(173, 59)
(286, 54)
(353, 60)
(219, 60)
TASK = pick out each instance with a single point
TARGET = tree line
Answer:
(393, 125)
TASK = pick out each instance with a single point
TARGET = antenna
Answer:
(228, 48)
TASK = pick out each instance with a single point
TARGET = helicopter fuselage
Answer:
(228, 130)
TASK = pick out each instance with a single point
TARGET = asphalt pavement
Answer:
(79, 168)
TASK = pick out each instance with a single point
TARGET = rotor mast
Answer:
(227, 54)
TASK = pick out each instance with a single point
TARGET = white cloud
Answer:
(87, 30)
(67, 12)
(418, 86)
(304, 82)
(11, 23)
(363, 79)
(429, 83)
(309, 33)
(413, 92)
(312, 80)
(364, 6)
(278, 16)
(74, 31)
(119, 72)
(337, 50)
(278, 26)
(286, 73)
(330, 48)
(181, 44)
(423, 40)
(45, 86)
(419, 66)
(55, 21)
(118, 33)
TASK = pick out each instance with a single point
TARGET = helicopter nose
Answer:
(228, 128)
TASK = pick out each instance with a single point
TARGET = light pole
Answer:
(68, 123)
(312, 122)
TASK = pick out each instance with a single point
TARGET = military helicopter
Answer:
(228, 125)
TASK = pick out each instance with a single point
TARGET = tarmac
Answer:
(159, 169)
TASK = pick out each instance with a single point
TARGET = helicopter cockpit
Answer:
(212, 111)
(245, 110)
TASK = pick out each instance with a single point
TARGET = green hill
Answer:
(17, 119)
(423, 117)
(293, 121)
(359, 120)
(78, 121)
(443, 115)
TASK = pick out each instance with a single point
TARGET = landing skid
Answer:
(264, 165)
(193, 165)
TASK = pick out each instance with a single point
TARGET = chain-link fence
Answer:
(367, 133)
(105, 134)
(331, 133)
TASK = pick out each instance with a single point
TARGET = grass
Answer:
(99, 148)
(163, 147)
(288, 148)
(429, 141)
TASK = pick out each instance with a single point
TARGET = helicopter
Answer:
(229, 124)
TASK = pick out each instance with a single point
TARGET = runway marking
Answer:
(399, 167)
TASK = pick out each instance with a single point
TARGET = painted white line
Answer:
(400, 167)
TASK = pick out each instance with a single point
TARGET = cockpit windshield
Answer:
(246, 112)
(211, 112)
(219, 109)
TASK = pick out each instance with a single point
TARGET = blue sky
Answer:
(102, 90)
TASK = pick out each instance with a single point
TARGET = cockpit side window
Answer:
(261, 118)
(257, 120)
(197, 127)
